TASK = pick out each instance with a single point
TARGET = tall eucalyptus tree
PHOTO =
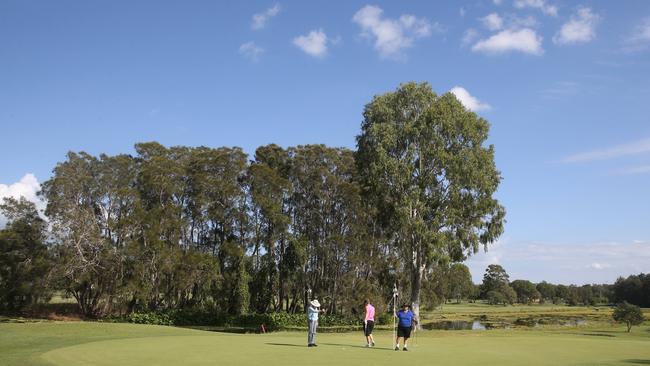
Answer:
(423, 162)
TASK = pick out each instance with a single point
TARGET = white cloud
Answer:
(260, 19)
(392, 36)
(597, 265)
(28, 187)
(633, 148)
(537, 4)
(251, 51)
(579, 263)
(579, 29)
(469, 101)
(461, 11)
(497, 2)
(492, 21)
(521, 40)
(640, 38)
(314, 43)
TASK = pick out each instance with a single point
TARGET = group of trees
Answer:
(198, 227)
(24, 259)
(634, 289)
(180, 227)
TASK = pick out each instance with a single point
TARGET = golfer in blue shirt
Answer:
(404, 325)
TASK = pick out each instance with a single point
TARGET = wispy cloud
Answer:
(639, 39)
(28, 187)
(581, 28)
(492, 21)
(469, 101)
(542, 5)
(643, 169)
(522, 40)
(562, 89)
(633, 148)
(251, 51)
(469, 36)
(392, 36)
(314, 43)
(261, 19)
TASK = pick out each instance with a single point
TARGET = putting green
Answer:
(433, 348)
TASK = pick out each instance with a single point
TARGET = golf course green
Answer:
(89, 343)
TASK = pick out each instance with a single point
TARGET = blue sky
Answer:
(565, 85)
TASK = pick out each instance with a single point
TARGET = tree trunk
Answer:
(417, 274)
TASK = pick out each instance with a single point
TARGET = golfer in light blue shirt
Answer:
(312, 319)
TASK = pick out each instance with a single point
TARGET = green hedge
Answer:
(271, 321)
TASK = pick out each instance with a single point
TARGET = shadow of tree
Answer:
(598, 335)
(637, 361)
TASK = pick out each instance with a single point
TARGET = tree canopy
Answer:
(423, 163)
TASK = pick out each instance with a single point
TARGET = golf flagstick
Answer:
(415, 333)
(394, 317)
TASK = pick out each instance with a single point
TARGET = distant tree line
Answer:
(497, 288)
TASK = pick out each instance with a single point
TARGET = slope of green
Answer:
(52, 343)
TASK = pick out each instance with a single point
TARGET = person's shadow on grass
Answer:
(286, 344)
(353, 346)
(325, 344)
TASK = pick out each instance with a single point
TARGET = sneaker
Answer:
(314, 345)
(310, 345)
(368, 345)
(397, 348)
(373, 344)
(405, 349)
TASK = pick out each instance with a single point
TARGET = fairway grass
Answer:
(79, 343)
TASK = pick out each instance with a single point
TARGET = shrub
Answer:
(384, 319)
(628, 314)
(271, 321)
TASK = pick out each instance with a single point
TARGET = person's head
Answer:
(315, 303)
(366, 302)
(405, 307)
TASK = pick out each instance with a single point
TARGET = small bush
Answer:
(384, 319)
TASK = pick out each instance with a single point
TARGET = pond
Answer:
(483, 325)
(457, 325)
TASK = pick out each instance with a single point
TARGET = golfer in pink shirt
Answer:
(369, 323)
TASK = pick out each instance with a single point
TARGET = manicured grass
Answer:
(86, 343)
